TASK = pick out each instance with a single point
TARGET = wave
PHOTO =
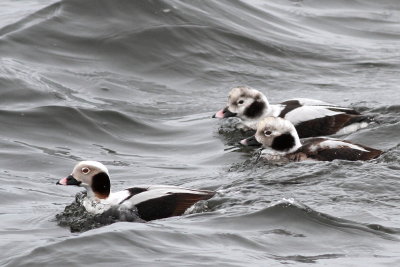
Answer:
(290, 214)
(286, 213)
(129, 33)
(306, 235)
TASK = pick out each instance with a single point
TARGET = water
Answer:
(133, 84)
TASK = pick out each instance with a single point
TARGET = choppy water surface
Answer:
(134, 84)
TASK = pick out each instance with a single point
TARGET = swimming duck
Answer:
(310, 117)
(152, 202)
(281, 141)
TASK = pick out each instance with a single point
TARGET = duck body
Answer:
(310, 117)
(159, 201)
(151, 202)
(280, 140)
(328, 149)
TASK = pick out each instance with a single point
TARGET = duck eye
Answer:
(85, 170)
(267, 132)
(240, 102)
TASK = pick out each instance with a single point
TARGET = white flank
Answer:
(157, 191)
(117, 197)
(306, 113)
(352, 128)
(338, 144)
(310, 102)
(98, 206)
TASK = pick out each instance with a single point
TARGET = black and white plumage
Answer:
(152, 202)
(310, 117)
(281, 141)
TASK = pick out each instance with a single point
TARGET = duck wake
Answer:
(78, 219)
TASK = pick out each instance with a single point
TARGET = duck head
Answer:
(245, 103)
(91, 175)
(276, 133)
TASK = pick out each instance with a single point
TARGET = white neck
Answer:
(273, 110)
(90, 193)
(297, 143)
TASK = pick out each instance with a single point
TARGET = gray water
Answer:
(133, 84)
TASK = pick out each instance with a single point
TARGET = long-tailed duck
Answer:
(310, 117)
(280, 137)
(152, 202)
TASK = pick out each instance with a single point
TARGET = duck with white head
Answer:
(310, 117)
(151, 201)
(280, 140)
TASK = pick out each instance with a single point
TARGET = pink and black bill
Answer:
(224, 113)
(250, 141)
(70, 180)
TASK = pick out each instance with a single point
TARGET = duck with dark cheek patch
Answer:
(151, 201)
(256, 109)
(281, 142)
(245, 103)
(309, 116)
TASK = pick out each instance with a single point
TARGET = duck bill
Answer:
(224, 113)
(250, 141)
(70, 180)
